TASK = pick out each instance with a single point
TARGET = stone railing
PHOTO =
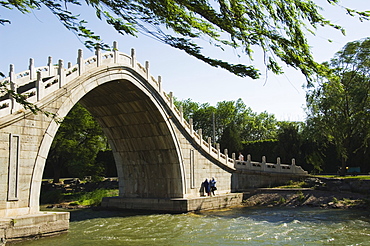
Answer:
(36, 83)
(268, 167)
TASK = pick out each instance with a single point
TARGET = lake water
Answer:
(238, 226)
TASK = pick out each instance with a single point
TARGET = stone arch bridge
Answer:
(161, 161)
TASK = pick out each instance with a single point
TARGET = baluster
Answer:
(39, 87)
(278, 164)
(171, 99)
(200, 133)
(147, 70)
(32, 69)
(160, 85)
(133, 58)
(218, 150)
(98, 56)
(13, 86)
(264, 163)
(50, 66)
(209, 144)
(191, 126)
(61, 73)
(80, 62)
(293, 166)
(115, 52)
(181, 109)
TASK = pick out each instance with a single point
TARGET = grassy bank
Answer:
(360, 177)
(92, 198)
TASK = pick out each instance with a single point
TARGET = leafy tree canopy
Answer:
(278, 28)
(76, 145)
(338, 108)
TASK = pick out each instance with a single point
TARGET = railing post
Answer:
(226, 156)
(50, 66)
(181, 109)
(69, 65)
(200, 133)
(61, 73)
(191, 126)
(264, 163)
(98, 56)
(233, 156)
(160, 85)
(147, 70)
(209, 144)
(171, 99)
(278, 166)
(115, 51)
(293, 166)
(32, 69)
(218, 150)
(39, 87)
(80, 62)
(13, 86)
(249, 161)
(133, 58)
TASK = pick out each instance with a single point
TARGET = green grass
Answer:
(93, 198)
(361, 177)
(293, 184)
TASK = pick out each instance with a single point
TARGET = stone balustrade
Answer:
(37, 83)
(268, 167)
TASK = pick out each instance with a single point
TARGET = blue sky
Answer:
(39, 35)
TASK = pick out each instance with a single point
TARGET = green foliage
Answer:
(230, 139)
(76, 145)
(294, 185)
(335, 200)
(338, 108)
(231, 120)
(94, 198)
(277, 28)
(260, 148)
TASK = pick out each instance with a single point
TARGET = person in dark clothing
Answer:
(212, 185)
(207, 187)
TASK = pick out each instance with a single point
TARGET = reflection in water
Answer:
(242, 226)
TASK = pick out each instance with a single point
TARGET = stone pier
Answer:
(174, 205)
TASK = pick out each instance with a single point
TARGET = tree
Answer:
(338, 108)
(76, 145)
(289, 140)
(277, 28)
(260, 126)
(235, 116)
(230, 139)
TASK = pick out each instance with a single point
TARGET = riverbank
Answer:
(321, 193)
(305, 197)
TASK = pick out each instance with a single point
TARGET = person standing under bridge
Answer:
(212, 185)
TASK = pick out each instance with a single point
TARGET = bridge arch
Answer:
(136, 123)
(158, 153)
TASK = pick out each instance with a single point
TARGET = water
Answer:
(242, 226)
